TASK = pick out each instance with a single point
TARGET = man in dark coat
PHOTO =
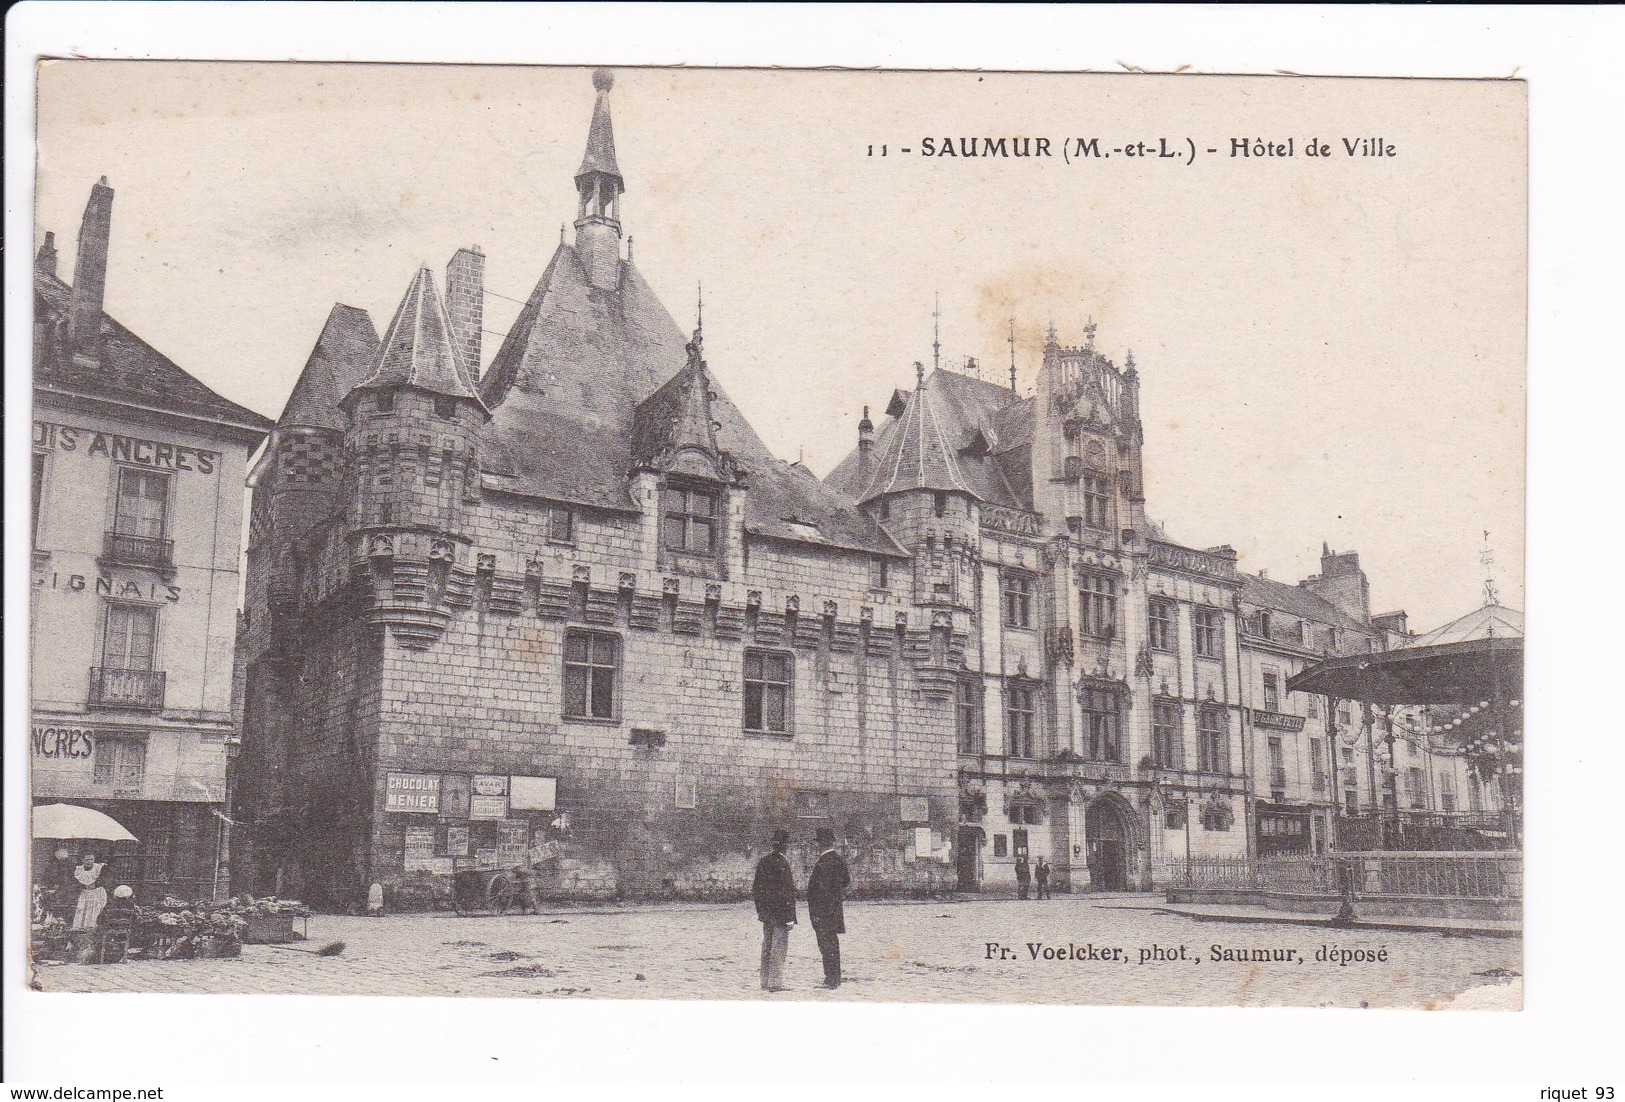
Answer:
(1023, 876)
(775, 894)
(826, 889)
(1041, 878)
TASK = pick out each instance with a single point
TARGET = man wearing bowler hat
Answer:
(826, 889)
(775, 894)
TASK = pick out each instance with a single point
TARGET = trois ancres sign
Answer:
(125, 449)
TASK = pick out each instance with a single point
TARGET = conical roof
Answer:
(674, 429)
(341, 359)
(416, 350)
(600, 155)
(1490, 621)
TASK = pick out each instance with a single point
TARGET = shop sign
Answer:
(419, 849)
(487, 807)
(490, 786)
(515, 840)
(125, 449)
(532, 793)
(486, 858)
(457, 841)
(412, 792)
(64, 742)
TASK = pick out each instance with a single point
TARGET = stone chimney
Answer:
(1343, 583)
(90, 273)
(866, 448)
(465, 305)
(45, 259)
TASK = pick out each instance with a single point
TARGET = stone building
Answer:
(1100, 708)
(137, 517)
(568, 605)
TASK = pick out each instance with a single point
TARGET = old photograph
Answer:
(750, 534)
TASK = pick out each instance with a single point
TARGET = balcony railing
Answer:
(1277, 778)
(138, 690)
(137, 550)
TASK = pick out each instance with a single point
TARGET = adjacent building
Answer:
(137, 518)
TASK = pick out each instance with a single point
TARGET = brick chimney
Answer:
(90, 273)
(1343, 583)
(465, 305)
(45, 259)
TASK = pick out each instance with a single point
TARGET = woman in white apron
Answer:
(92, 896)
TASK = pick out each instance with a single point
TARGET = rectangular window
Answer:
(1101, 730)
(1447, 791)
(120, 763)
(592, 675)
(1417, 785)
(1098, 611)
(1164, 632)
(1209, 624)
(1272, 691)
(445, 408)
(1096, 503)
(1212, 741)
(1314, 706)
(970, 716)
(939, 504)
(1277, 764)
(561, 525)
(689, 519)
(1317, 763)
(767, 691)
(1001, 846)
(1166, 741)
(1021, 711)
(127, 643)
(1344, 716)
(143, 502)
(1475, 792)
(1018, 600)
(882, 575)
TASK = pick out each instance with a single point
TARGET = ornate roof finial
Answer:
(919, 373)
(603, 80)
(936, 333)
(699, 308)
(1050, 340)
(1089, 333)
(1128, 363)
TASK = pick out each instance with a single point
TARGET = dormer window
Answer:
(688, 519)
(445, 408)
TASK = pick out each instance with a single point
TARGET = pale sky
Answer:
(1331, 349)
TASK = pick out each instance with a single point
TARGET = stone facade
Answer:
(137, 475)
(462, 652)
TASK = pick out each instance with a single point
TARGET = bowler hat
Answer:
(781, 837)
(825, 836)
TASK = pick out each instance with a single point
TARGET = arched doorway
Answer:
(1107, 832)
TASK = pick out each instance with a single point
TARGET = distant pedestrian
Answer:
(1024, 876)
(1041, 878)
(826, 891)
(775, 894)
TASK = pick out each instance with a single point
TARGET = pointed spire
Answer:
(600, 155)
(675, 430)
(599, 186)
(1012, 355)
(417, 349)
(1128, 364)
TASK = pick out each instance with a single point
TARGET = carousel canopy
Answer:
(72, 821)
(1476, 657)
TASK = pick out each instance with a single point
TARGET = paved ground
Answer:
(934, 951)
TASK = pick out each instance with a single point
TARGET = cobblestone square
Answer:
(1088, 950)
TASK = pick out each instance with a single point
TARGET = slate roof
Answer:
(341, 359)
(1295, 600)
(130, 369)
(416, 349)
(954, 433)
(1479, 624)
(564, 390)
